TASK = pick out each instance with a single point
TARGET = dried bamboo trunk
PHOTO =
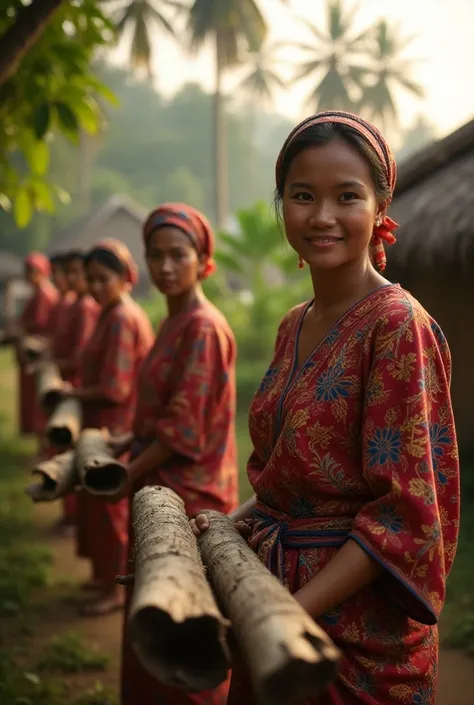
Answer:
(100, 473)
(49, 383)
(57, 478)
(64, 425)
(175, 625)
(34, 347)
(289, 657)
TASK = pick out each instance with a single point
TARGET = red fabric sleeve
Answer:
(117, 374)
(187, 420)
(410, 463)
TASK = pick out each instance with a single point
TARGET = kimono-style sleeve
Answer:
(410, 463)
(117, 373)
(189, 416)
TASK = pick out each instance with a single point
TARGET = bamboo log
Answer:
(175, 626)
(99, 472)
(64, 425)
(57, 478)
(34, 347)
(49, 383)
(289, 657)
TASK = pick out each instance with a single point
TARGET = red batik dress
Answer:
(111, 359)
(359, 443)
(186, 399)
(36, 319)
(74, 324)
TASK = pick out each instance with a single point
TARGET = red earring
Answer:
(300, 262)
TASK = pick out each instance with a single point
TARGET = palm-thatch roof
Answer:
(119, 217)
(434, 204)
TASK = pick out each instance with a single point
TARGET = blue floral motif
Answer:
(331, 384)
(423, 696)
(364, 682)
(302, 508)
(439, 437)
(386, 445)
(389, 518)
(268, 380)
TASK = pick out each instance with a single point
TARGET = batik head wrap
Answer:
(122, 253)
(383, 231)
(191, 222)
(38, 261)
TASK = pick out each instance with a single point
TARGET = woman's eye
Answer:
(302, 196)
(349, 196)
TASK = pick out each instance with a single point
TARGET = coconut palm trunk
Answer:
(31, 20)
(220, 143)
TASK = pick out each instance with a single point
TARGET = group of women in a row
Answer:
(354, 463)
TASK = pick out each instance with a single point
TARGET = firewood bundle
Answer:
(177, 630)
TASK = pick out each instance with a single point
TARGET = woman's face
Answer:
(32, 275)
(59, 278)
(105, 285)
(76, 276)
(173, 261)
(329, 205)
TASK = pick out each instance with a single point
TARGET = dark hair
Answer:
(106, 258)
(57, 260)
(321, 134)
(73, 255)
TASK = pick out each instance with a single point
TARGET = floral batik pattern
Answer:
(111, 360)
(359, 444)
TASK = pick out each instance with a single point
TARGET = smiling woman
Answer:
(356, 505)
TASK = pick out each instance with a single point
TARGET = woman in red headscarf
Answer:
(355, 465)
(184, 435)
(36, 319)
(108, 392)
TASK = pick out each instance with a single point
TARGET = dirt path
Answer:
(58, 610)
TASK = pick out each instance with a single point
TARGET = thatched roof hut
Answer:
(119, 217)
(434, 254)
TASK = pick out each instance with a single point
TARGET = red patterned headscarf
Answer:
(38, 261)
(192, 222)
(123, 254)
(383, 231)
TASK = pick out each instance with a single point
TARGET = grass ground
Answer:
(48, 656)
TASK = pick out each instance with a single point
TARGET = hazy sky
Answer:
(445, 42)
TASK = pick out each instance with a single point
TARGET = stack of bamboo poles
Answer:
(179, 633)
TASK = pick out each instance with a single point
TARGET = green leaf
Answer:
(88, 114)
(66, 117)
(103, 90)
(23, 208)
(41, 120)
(5, 202)
(43, 196)
(37, 156)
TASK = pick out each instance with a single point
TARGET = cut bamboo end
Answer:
(49, 382)
(64, 425)
(57, 478)
(289, 657)
(34, 347)
(176, 628)
(100, 473)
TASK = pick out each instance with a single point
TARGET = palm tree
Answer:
(333, 60)
(261, 81)
(30, 22)
(230, 26)
(141, 17)
(389, 73)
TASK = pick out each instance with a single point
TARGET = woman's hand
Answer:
(200, 525)
(119, 444)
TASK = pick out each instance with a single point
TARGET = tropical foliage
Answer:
(53, 91)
